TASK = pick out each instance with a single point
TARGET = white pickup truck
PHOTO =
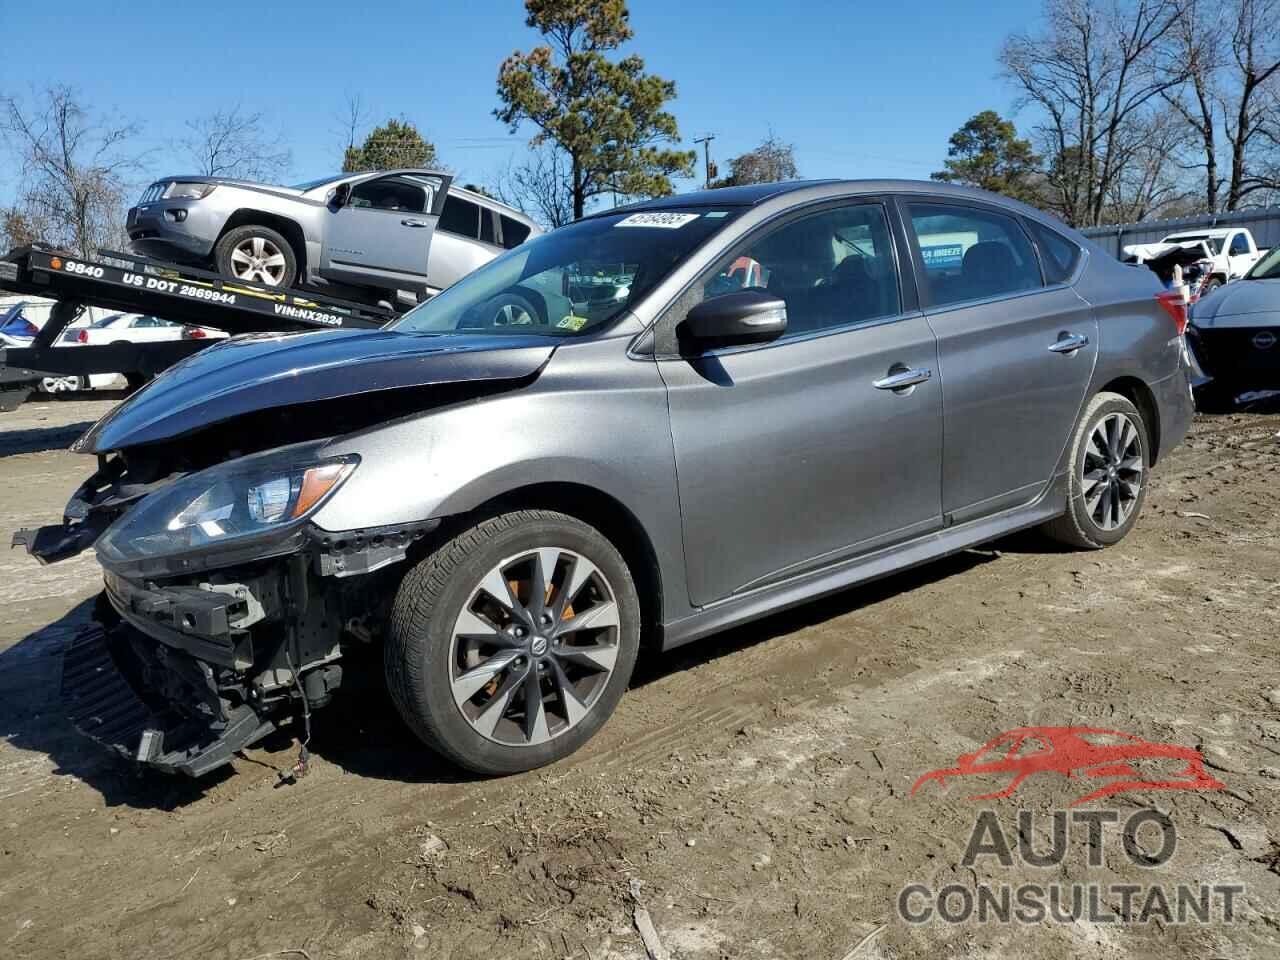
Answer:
(1229, 252)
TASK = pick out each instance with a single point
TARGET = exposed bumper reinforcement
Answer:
(102, 704)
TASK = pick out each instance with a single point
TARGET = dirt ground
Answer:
(752, 793)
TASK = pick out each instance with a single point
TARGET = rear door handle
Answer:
(1069, 344)
(903, 379)
(414, 223)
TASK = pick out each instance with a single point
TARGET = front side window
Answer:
(1239, 246)
(972, 254)
(831, 268)
(404, 193)
(571, 281)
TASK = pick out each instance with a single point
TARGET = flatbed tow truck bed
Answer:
(134, 284)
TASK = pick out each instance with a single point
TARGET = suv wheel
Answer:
(256, 255)
(1109, 461)
(512, 643)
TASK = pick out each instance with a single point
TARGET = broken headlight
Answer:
(224, 504)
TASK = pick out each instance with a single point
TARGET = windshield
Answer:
(1268, 268)
(312, 184)
(571, 281)
(1214, 243)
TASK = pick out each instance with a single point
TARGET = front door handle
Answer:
(903, 379)
(1070, 343)
(414, 223)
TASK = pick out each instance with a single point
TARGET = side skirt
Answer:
(791, 593)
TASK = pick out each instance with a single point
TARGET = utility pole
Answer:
(706, 155)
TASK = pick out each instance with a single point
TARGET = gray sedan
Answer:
(640, 429)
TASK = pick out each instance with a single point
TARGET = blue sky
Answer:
(861, 89)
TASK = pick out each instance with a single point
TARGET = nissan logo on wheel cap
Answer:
(1264, 340)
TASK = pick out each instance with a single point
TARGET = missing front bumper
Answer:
(105, 700)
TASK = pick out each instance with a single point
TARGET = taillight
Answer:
(195, 333)
(1175, 304)
(82, 336)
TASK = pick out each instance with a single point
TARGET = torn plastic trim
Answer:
(350, 553)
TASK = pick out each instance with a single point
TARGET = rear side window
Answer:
(1058, 255)
(514, 232)
(460, 217)
(972, 254)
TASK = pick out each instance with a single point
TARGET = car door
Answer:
(1239, 253)
(797, 454)
(381, 236)
(1016, 353)
(465, 240)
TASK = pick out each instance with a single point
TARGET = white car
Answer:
(137, 328)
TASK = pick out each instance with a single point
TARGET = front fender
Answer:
(592, 418)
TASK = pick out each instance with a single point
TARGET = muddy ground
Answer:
(752, 792)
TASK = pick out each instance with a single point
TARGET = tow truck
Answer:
(136, 284)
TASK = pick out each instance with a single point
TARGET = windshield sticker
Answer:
(572, 323)
(663, 221)
(717, 214)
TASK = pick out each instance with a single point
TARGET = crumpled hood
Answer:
(260, 371)
(1242, 298)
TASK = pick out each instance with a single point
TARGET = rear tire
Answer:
(502, 682)
(255, 254)
(1107, 483)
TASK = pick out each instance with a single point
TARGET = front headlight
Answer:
(189, 191)
(223, 505)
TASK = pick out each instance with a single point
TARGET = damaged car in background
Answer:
(640, 429)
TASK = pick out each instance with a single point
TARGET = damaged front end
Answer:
(226, 610)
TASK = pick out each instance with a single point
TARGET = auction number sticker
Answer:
(663, 221)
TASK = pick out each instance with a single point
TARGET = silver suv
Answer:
(349, 235)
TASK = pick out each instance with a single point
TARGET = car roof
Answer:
(1218, 232)
(757, 194)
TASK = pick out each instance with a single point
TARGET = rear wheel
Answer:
(61, 384)
(1109, 462)
(257, 255)
(512, 643)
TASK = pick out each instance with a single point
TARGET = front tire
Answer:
(512, 643)
(258, 255)
(1110, 459)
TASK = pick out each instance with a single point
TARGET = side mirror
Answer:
(341, 195)
(747, 316)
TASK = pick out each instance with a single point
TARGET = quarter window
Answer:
(461, 217)
(514, 232)
(832, 268)
(972, 254)
(1058, 255)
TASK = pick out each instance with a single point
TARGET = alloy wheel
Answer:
(1112, 472)
(258, 260)
(534, 646)
(60, 384)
